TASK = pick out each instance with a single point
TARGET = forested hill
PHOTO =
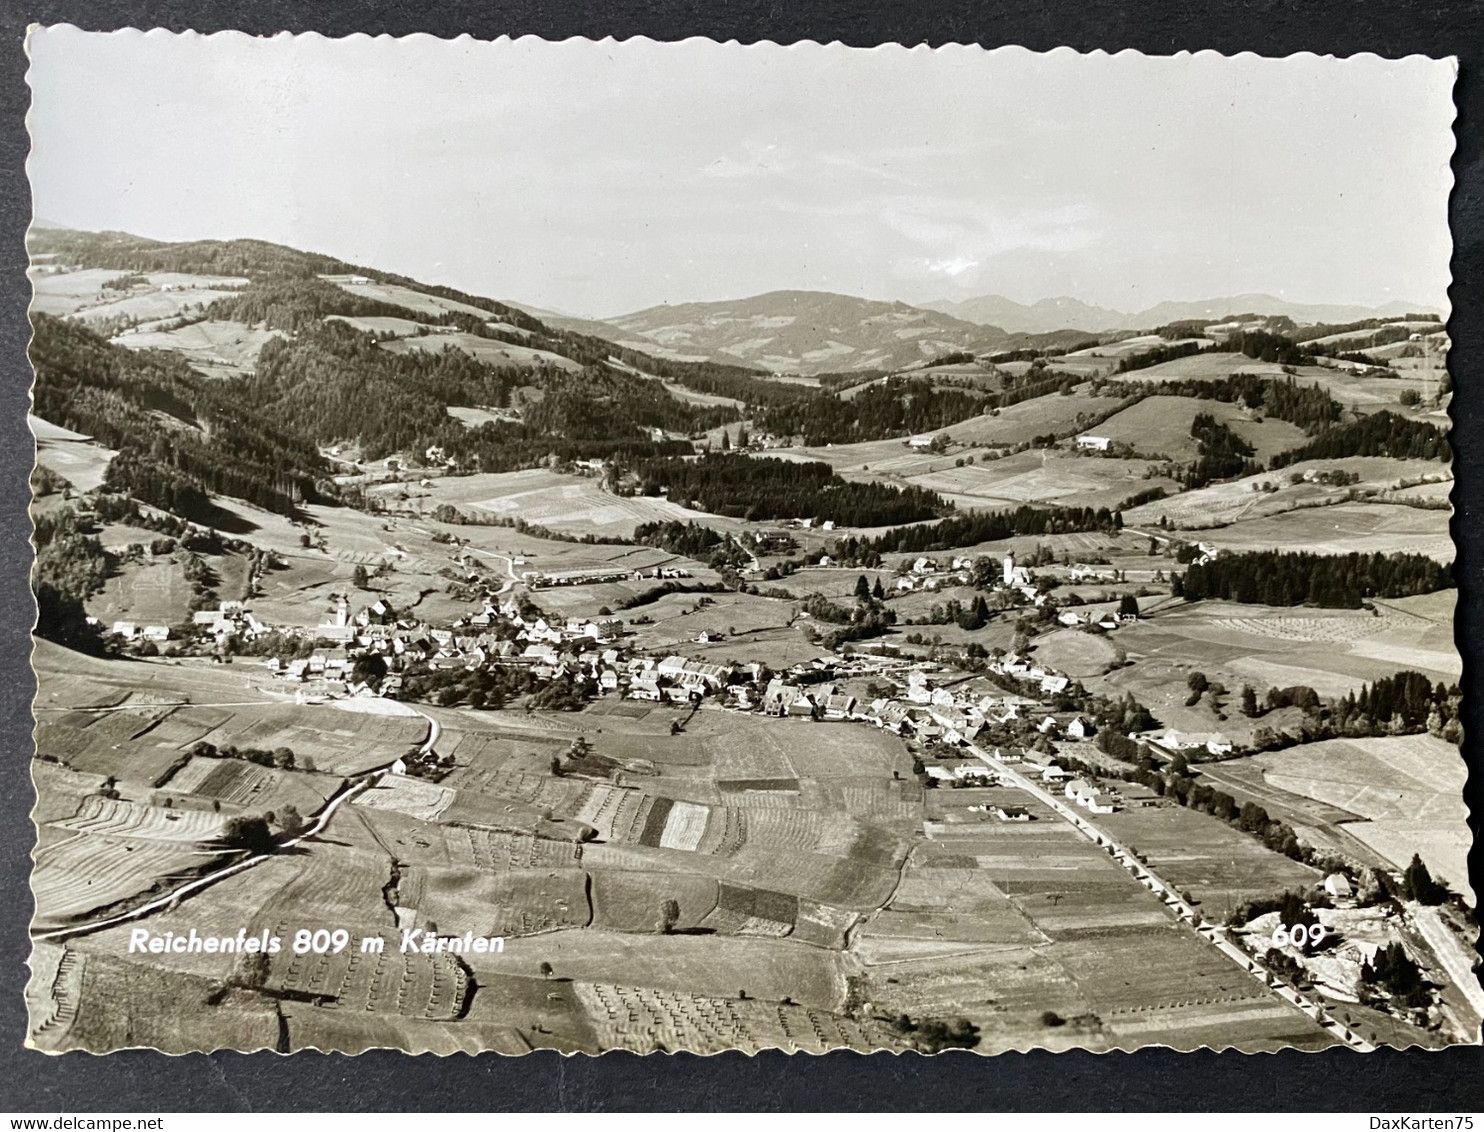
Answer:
(179, 435)
(286, 292)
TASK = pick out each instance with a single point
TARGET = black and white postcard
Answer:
(694, 547)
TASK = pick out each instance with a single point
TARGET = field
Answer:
(1012, 924)
(571, 504)
(217, 349)
(1249, 498)
(1219, 866)
(1343, 528)
(149, 593)
(473, 417)
(418, 302)
(675, 620)
(1159, 426)
(112, 850)
(1333, 651)
(62, 293)
(1408, 789)
(1040, 476)
(82, 295)
(1350, 390)
(71, 455)
(1016, 424)
(1076, 653)
(489, 351)
(1204, 366)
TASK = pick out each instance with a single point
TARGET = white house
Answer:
(1086, 795)
(1338, 886)
(1096, 443)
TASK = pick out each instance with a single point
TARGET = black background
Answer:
(1159, 1080)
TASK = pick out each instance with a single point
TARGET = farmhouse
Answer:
(838, 705)
(1337, 885)
(1086, 795)
(645, 686)
(1095, 443)
(1012, 813)
(776, 697)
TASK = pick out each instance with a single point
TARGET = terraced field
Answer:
(90, 872)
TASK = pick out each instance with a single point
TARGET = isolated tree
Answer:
(1249, 701)
(1417, 883)
(878, 591)
(248, 833)
(369, 668)
(726, 442)
(546, 970)
(1128, 605)
(669, 916)
(283, 758)
(862, 588)
(359, 578)
(291, 821)
(742, 437)
(250, 971)
(556, 766)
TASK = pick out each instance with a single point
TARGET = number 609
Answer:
(1300, 935)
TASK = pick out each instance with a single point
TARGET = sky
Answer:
(598, 178)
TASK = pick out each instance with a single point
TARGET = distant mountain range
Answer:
(1067, 313)
(803, 332)
(813, 332)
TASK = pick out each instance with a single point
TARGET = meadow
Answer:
(1409, 790)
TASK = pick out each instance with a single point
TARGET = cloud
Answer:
(951, 267)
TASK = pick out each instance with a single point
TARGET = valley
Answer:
(796, 672)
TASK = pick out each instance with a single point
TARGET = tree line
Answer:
(897, 406)
(1376, 434)
(980, 526)
(763, 488)
(1336, 581)
(1223, 453)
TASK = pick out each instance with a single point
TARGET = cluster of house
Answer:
(925, 441)
(1169, 742)
(813, 701)
(922, 710)
(129, 631)
(678, 679)
(544, 579)
(1089, 797)
(590, 653)
(230, 619)
(1105, 621)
